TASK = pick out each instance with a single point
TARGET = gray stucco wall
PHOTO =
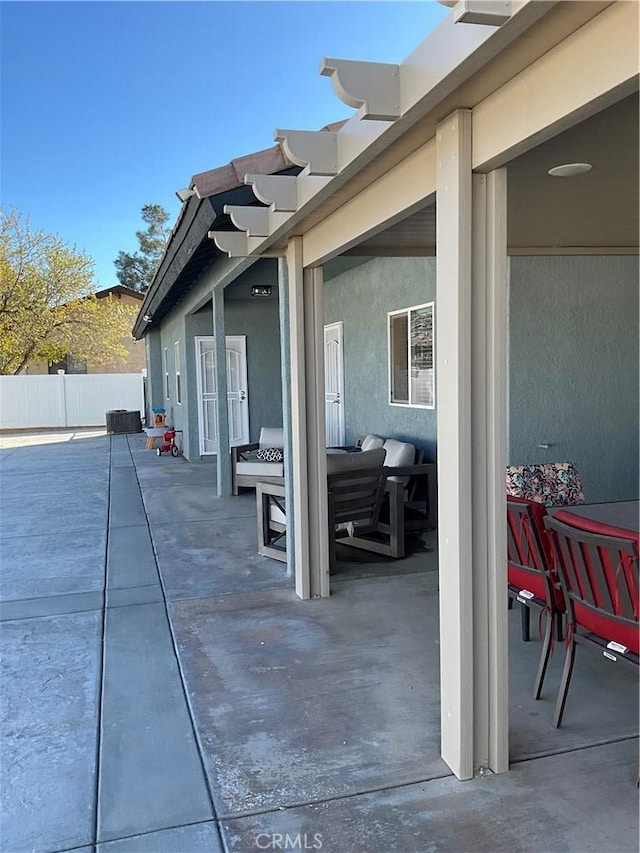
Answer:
(574, 368)
(573, 361)
(254, 317)
(361, 298)
(257, 318)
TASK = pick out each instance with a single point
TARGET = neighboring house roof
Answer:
(189, 250)
(120, 290)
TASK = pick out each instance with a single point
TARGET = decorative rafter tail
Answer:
(315, 150)
(253, 220)
(373, 88)
(278, 191)
(232, 243)
(490, 12)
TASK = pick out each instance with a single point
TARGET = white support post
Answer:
(285, 373)
(471, 382)
(489, 420)
(453, 383)
(316, 441)
(299, 483)
(223, 457)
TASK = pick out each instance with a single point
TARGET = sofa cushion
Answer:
(371, 442)
(260, 469)
(270, 454)
(271, 437)
(398, 453)
(337, 462)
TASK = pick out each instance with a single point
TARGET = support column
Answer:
(308, 447)
(298, 436)
(155, 378)
(489, 426)
(285, 372)
(471, 387)
(453, 384)
(190, 390)
(316, 430)
(223, 457)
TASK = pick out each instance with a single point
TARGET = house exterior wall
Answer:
(574, 368)
(255, 318)
(361, 298)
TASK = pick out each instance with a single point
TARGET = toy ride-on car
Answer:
(170, 445)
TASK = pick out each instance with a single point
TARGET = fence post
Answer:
(62, 398)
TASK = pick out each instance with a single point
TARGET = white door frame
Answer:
(240, 343)
(335, 405)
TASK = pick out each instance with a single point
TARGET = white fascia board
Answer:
(379, 205)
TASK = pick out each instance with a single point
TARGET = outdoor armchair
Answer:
(401, 511)
(261, 461)
(530, 577)
(355, 489)
(598, 568)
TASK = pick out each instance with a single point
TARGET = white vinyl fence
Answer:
(67, 400)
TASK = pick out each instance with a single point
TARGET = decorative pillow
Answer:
(270, 454)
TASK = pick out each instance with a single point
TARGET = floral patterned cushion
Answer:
(549, 483)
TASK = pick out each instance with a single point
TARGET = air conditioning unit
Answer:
(120, 421)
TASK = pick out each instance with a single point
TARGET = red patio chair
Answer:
(598, 568)
(531, 581)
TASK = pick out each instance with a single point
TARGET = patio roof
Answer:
(482, 68)
(190, 250)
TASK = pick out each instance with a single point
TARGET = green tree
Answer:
(137, 270)
(47, 309)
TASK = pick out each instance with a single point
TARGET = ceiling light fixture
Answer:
(570, 170)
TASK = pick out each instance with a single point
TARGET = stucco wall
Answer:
(257, 319)
(361, 298)
(573, 362)
(574, 368)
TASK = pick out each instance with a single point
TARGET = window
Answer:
(411, 373)
(165, 370)
(176, 348)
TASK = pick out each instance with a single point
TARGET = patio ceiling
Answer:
(594, 212)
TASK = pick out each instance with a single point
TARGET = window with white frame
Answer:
(411, 370)
(165, 370)
(176, 348)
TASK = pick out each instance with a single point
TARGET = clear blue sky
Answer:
(107, 106)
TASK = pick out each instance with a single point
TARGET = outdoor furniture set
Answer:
(575, 566)
(375, 498)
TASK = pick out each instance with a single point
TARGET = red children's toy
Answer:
(170, 445)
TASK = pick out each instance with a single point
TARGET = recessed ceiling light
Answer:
(569, 170)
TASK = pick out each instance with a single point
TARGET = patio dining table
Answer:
(624, 514)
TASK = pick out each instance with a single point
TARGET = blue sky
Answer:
(107, 106)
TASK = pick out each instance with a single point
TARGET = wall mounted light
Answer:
(185, 194)
(570, 170)
(261, 290)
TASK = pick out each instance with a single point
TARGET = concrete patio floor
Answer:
(164, 690)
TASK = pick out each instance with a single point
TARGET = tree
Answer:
(47, 309)
(137, 270)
